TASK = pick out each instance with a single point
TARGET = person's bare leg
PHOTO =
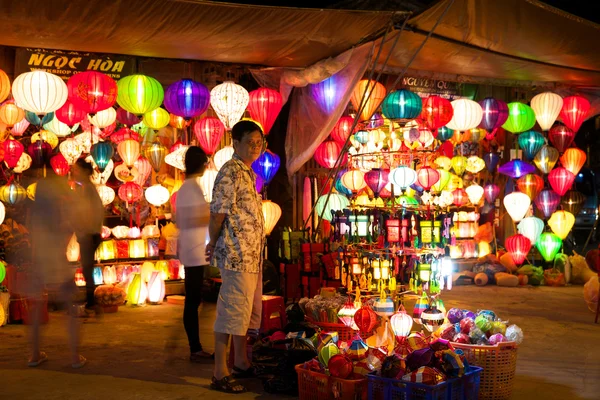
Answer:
(72, 323)
(221, 342)
(35, 333)
(241, 355)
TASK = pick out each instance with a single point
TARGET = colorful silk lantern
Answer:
(561, 180)
(12, 152)
(187, 98)
(342, 130)
(574, 111)
(329, 203)
(58, 128)
(518, 247)
(271, 213)
(401, 104)
(444, 133)
(156, 288)
(573, 159)
(548, 245)
(39, 92)
(371, 93)
(139, 94)
(460, 197)
(209, 132)
(328, 93)
(427, 177)
(264, 107)
(354, 180)
(517, 204)
(229, 101)
(129, 151)
(60, 165)
(467, 115)
(401, 323)
(102, 152)
(443, 182)
(475, 193)
(10, 114)
(546, 159)
(561, 137)
(137, 291)
(491, 192)
(547, 202)
(573, 201)
(365, 319)
(144, 168)
(207, 183)
(124, 134)
(4, 91)
(126, 118)
(376, 180)
(531, 228)
(34, 119)
(475, 164)
(516, 169)
(546, 106)
(432, 318)
(403, 176)
(130, 192)
(520, 118)
(491, 161)
(459, 164)
(561, 222)
(24, 163)
(177, 158)
(12, 193)
(157, 195)
(106, 194)
(222, 156)
(178, 122)
(266, 166)
(531, 185)
(495, 113)
(103, 118)
(155, 154)
(346, 314)
(531, 142)
(327, 153)
(157, 118)
(436, 112)
(97, 275)
(92, 91)
(20, 127)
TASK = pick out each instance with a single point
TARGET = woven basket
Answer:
(499, 364)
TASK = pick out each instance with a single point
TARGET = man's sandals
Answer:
(227, 385)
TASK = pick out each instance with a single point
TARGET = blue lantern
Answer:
(444, 133)
(102, 152)
(491, 161)
(531, 142)
(402, 104)
(339, 186)
(187, 98)
(35, 120)
(362, 137)
(98, 280)
(327, 93)
(266, 166)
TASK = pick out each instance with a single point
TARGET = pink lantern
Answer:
(518, 247)
(491, 192)
(376, 180)
(130, 192)
(127, 118)
(427, 177)
(547, 202)
(264, 107)
(561, 180)
(342, 130)
(209, 132)
(460, 197)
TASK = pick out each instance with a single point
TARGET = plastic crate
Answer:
(499, 364)
(463, 388)
(317, 386)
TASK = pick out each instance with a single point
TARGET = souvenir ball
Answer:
(392, 367)
(462, 338)
(483, 323)
(455, 315)
(327, 352)
(496, 338)
(514, 334)
(340, 366)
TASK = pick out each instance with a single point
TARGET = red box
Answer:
(290, 282)
(310, 253)
(311, 286)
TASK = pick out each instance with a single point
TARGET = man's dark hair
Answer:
(243, 128)
(85, 166)
(195, 161)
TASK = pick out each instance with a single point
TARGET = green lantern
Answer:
(402, 104)
(139, 94)
(520, 118)
(444, 179)
(531, 142)
(332, 202)
(406, 201)
(548, 244)
(2, 272)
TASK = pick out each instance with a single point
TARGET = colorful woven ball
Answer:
(375, 356)
(469, 314)
(477, 336)
(498, 327)
(446, 331)
(340, 366)
(357, 350)
(441, 345)
(393, 367)
(365, 319)
(455, 315)
(327, 352)
(466, 325)
(417, 341)
(419, 358)
(488, 314)
(425, 375)
(496, 338)
(362, 368)
(483, 323)
(384, 307)
(462, 338)
(514, 334)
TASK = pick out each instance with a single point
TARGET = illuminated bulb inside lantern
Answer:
(376, 270)
(385, 269)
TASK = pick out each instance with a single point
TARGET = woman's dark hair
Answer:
(195, 161)
(85, 166)
(243, 128)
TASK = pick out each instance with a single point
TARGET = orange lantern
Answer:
(10, 114)
(531, 185)
(373, 94)
(573, 159)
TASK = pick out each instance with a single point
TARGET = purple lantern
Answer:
(376, 121)
(516, 169)
(39, 152)
(491, 161)
(187, 98)
(547, 202)
(266, 166)
(259, 184)
(491, 192)
(328, 93)
(495, 114)
(127, 118)
(376, 179)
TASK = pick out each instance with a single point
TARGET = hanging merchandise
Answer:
(548, 245)
(561, 222)
(12, 193)
(467, 115)
(520, 118)
(126, 118)
(402, 105)
(271, 213)
(264, 107)
(517, 204)
(39, 152)
(4, 91)
(518, 247)
(371, 94)
(491, 161)
(157, 195)
(229, 100)
(561, 137)
(573, 201)
(547, 202)
(516, 169)
(436, 112)
(574, 111)
(531, 142)
(71, 149)
(376, 180)
(39, 92)
(187, 98)
(495, 114)
(102, 152)
(342, 130)
(491, 192)
(103, 118)
(207, 183)
(546, 159)
(139, 94)
(330, 203)
(59, 165)
(327, 153)
(12, 152)
(266, 166)
(129, 151)
(573, 160)
(531, 185)
(531, 228)
(11, 114)
(156, 119)
(60, 129)
(92, 91)
(209, 132)
(561, 180)
(546, 106)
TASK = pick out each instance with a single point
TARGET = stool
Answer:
(273, 313)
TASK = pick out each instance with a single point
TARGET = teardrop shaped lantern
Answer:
(548, 245)
(491, 192)
(573, 201)
(157, 195)
(561, 137)
(155, 154)
(157, 118)
(328, 93)
(187, 98)
(372, 93)
(459, 164)
(327, 153)
(574, 111)
(342, 130)
(103, 118)
(178, 122)
(546, 159)
(516, 169)
(129, 151)
(520, 118)
(561, 180)
(460, 197)
(264, 107)
(354, 180)
(106, 194)
(124, 134)
(401, 105)
(495, 113)
(39, 152)
(71, 149)
(60, 165)
(491, 161)
(130, 192)
(517, 204)
(546, 106)
(207, 183)
(271, 213)
(69, 114)
(222, 156)
(427, 177)
(12, 152)
(436, 112)
(444, 133)
(365, 319)
(39, 92)
(11, 114)
(266, 166)
(20, 127)
(475, 193)
(23, 164)
(92, 91)
(561, 222)
(376, 180)
(443, 182)
(531, 142)
(467, 115)
(401, 323)
(518, 247)
(139, 94)
(12, 193)
(102, 152)
(531, 185)
(531, 228)
(329, 203)
(229, 101)
(209, 132)
(547, 202)
(573, 159)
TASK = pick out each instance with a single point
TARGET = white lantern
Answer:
(59, 128)
(156, 288)
(150, 231)
(229, 100)
(271, 213)
(107, 194)
(100, 178)
(546, 106)
(71, 149)
(23, 164)
(129, 151)
(86, 140)
(120, 232)
(134, 233)
(73, 249)
(475, 193)
(103, 118)
(177, 158)
(517, 204)
(157, 195)
(531, 228)
(207, 183)
(222, 156)
(20, 127)
(403, 176)
(467, 115)
(39, 92)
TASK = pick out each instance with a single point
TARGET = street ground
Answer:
(141, 353)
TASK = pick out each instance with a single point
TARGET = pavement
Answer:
(141, 353)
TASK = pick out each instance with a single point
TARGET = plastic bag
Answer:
(590, 293)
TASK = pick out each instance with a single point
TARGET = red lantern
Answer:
(518, 247)
(574, 111)
(12, 152)
(436, 112)
(209, 132)
(59, 165)
(340, 366)
(376, 180)
(327, 153)
(127, 118)
(531, 185)
(69, 114)
(130, 192)
(446, 149)
(573, 159)
(427, 177)
(561, 180)
(264, 107)
(92, 91)
(124, 134)
(561, 137)
(342, 130)
(365, 319)
(460, 197)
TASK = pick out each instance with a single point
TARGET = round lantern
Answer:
(39, 152)
(92, 91)
(144, 169)
(547, 202)
(427, 177)
(561, 180)
(517, 204)
(229, 101)
(531, 142)
(106, 194)
(491, 192)
(207, 183)
(126, 118)
(157, 195)
(12, 152)
(573, 112)
(495, 113)
(329, 203)
(4, 91)
(401, 323)
(103, 118)
(531, 185)
(71, 150)
(12, 193)
(271, 213)
(460, 197)
(222, 156)
(531, 228)
(209, 132)
(328, 93)
(444, 133)
(155, 154)
(561, 137)
(546, 159)
(475, 193)
(365, 319)
(518, 247)
(443, 182)
(561, 222)
(20, 127)
(102, 152)
(124, 134)
(548, 245)
(266, 166)
(23, 164)
(467, 115)
(178, 122)
(376, 180)
(432, 318)
(11, 114)
(60, 165)
(573, 201)
(139, 94)
(573, 159)
(342, 130)
(546, 106)
(371, 93)
(187, 98)
(354, 180)
(327, 153)
(264, 107)
(39, 92)
(516, 169)
(129, 151)
(436, 112)
(401, 104)
(520, 118)
(58, 128)
(130, 192)
(157, 118)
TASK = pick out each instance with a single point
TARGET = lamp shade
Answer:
(354, 180)
(69, 114)
(460, 197)
(327, 153)
(518, 247)
(491, 192)
(137, 291)
(178, 122)
(561, 180)
(495, 113)
(436, 112)
(517, 204)
(573, 201)
(475, 193)
(130, 192)
(531, 228)
(157, 195)
(209, 132)
(574, 111)
(103, 118)
(548, 245)
(561, 222)
(491, 161)
(156, 288)
(561, 137)
(177, 158)
(222, 156)
(207, 183)
(401, 104)
(20, 127)
(126, 118)
(547, 201)
(12, 193)
(546, 106)
(59, 165)
(229, 101)
(520, 118)
(329, 203)
(71, 149)
(4, 91)
(102, 152)
(155, 154)
(24, 163)
(342, 130)
(516, 169)
(139, 94)
(271, 213)
(124, 134)
(266, 166)
(401, 323)
(328, 93)
(376, 180)
(106, 194)
(92, 91)
(157, 118)
(371, 93)
(187, 98)
(444, 133)
(39, 92)
(531, 142)
(10, 114)
(475, 164)
(427, 177)
(443, 182)
(12, 152)
(546, 159)
(573, 159)
(459, 164)
(264, 107)
(467, 115)
(129, 151)
(531, 185)
(58, 128)
(144, 169)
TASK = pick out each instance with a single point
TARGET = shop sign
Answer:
(67, 63)
(425, 87)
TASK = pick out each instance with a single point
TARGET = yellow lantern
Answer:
(103, 118)
(71, 149)
(459, 164)
(454, 183)
(385, 269)
(177, 122)
(11, 114)
(475, 164)
(271, 213)
(376, 270)
(150, 231)
(156, 288)
(73, 249)
(163, 267)
(484, 249)
(157, 118)
(475, 193)
(107, 194)
(561, 222)
(207, 183)
(222, 156)
(23, 164)
(443, 162)
(106, 251)
(129, 151)
(39, 92)
(47, 137)
(146, 270)
(229, 100)
(137, 248)
(4, 86)
(157, 195)
(31, 192)
(109, 274)
(546, 106)
(137, 292)
(442, 182)
(363, 201)
(354, 180)
(139, 94)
